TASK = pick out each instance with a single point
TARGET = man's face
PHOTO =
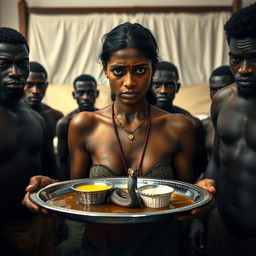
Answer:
(35, 89)
(219, 81)
(85, 94)
(165, 86)
(242, 57)
(14, 70)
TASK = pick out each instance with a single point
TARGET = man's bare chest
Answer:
(237, 124)
(19, 134)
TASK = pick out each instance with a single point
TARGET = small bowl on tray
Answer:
(91, 192)
(156, 196)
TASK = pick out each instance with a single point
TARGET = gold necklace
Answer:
(131, 134)
(145, 140)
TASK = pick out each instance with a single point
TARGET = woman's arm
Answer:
(79, 130)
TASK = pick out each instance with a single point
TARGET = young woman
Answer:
(130, 133)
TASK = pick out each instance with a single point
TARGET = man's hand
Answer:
(35, 183)
(209, 185)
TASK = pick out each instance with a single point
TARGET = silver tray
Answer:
(118, 215)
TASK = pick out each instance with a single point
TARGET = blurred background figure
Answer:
(85, 93)
(165, 86)
(35, 90)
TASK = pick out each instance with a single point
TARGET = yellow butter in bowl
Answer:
(92, 187)
(91, 192)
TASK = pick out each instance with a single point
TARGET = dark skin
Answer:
(165, 87)
(217, 82)
(35, 90)
(129, 74)
(91, 138)
(233, 161)
(85, 94)
(24, 147)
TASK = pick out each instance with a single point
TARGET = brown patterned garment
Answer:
(160, 171)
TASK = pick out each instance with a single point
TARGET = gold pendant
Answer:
(131, 136)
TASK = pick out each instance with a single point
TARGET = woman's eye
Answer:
(140, 71)
(117, 72)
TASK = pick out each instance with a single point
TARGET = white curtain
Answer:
(69, 45)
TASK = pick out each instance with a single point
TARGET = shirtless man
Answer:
(232, 229)
(24, 151)
(85, 93)
(165, 86)
(35, 90)
(220, 77)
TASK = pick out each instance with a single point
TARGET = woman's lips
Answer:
(129, 95)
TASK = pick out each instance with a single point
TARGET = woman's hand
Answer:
(209, 185)
(35, 183)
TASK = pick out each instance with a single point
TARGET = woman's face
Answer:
(129, 74)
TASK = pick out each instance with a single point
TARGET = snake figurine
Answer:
(130, 199)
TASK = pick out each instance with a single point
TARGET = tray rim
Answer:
(118, 218)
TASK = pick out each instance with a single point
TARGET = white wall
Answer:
(9, 8)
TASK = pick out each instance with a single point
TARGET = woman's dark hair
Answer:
(131, 35)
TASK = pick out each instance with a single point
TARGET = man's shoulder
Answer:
(65, 120)
(225, 92)
(179, 110)
(172, 119)
(56, 114)
(30, 113)
(223, 96)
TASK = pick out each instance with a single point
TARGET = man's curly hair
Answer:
(165, 65)
(85, 78)
(37, 67)
(242, 23)
(12, 36)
